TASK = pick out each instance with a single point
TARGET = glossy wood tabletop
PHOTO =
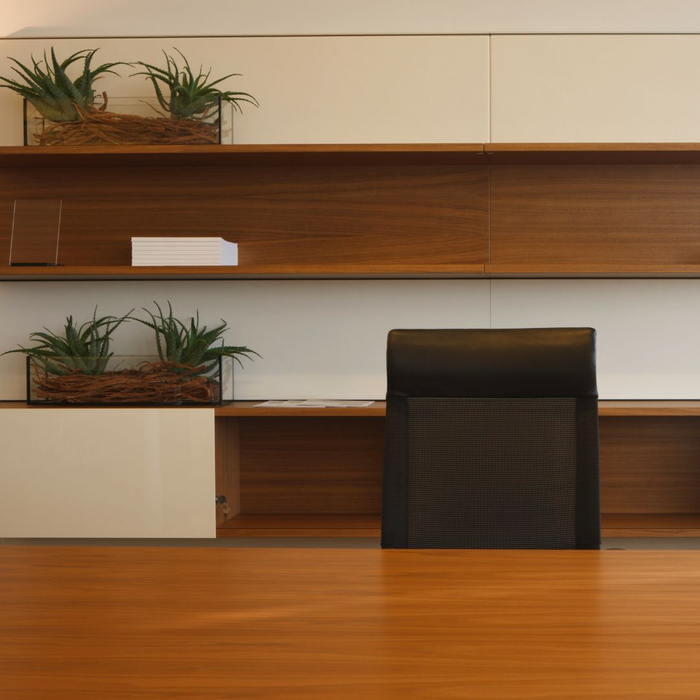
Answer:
(331, 624)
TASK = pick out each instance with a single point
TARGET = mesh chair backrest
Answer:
(491, 440)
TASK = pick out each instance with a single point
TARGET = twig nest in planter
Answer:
(102, 127)
(149, 383)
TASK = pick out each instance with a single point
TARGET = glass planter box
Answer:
(125, 380)
(120, 121)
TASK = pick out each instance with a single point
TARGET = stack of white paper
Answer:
(183, 251)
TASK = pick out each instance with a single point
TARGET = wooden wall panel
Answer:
(595, 214)
(311, 465)
(650, 465)
(416, 214)
(333, 465)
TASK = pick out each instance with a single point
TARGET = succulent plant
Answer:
(189, 96)
(192, 345)
(47, 86)
(82, 350)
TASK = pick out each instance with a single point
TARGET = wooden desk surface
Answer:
(296, 624)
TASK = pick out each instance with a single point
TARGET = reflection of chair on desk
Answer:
(491, 440)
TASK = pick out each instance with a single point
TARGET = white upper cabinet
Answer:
(373, 89)
(608, 88)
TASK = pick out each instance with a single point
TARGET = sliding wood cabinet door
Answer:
(596, 88)
(107, 472)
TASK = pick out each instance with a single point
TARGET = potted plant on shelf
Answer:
(78, 367)
(191, 100)
(191, 346)
(65, 111)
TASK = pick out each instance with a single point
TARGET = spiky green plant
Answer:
(83, 349)
(191, 344)
(47, 86)
(189, 96)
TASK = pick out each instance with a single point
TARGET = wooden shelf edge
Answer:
(249, 409)
(348, 271)
(557, 271)
(301, 525)
(365, 153)
(344, 533)
(650, 525)
(325, 526)
(246, 155)
(592, 153)
(271, 272)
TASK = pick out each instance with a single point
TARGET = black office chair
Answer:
(491, 440)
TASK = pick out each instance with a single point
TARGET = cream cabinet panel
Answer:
(595, 88)
(107, 472)
(372, 89)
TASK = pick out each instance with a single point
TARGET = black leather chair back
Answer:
(491, 440)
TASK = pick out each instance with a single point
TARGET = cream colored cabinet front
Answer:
(595, 88)
(312, 89)
(123, 472)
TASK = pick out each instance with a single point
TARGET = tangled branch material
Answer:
(101, 127)
(149, 383)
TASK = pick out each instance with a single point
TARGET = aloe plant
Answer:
(186, 95)
(47, 86)
(191, 344)
(83, 350)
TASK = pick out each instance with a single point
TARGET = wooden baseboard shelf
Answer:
(651, 525)
(250, 409)
(368, 526)
(301, 526)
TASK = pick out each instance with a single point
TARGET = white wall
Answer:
(320, 339)
(267, 17)
(327, 339)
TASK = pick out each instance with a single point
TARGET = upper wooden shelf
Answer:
(592, 153)
(247, 272)
(349, 154)
(243, 155)
(348, 271)
(619, 270)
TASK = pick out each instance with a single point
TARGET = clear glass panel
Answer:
(36, 227)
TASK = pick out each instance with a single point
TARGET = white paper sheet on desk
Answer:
(313, 403)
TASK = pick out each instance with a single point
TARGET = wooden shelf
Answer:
(613, 525)
(301, 526)
(348, 271)
(616, 271)
(243, 155)
(248, 272)
(349, 154)
(592, 153)
(649, 408)
(248, 409)
(651, 525)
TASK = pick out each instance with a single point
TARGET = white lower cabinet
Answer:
(121, 472)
